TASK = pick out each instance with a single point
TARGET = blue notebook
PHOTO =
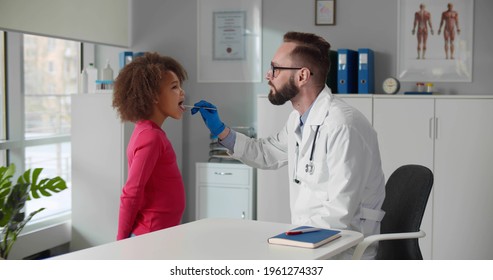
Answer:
(312, 239)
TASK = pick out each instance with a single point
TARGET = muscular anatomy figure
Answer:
(451, 20)
(422, 19)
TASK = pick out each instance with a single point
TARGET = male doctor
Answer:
(335, 174)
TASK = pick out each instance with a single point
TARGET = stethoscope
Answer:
(309, 167)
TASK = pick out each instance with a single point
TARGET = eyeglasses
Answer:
(274, 68)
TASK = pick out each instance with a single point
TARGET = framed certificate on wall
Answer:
(229, 35)
(229, 41)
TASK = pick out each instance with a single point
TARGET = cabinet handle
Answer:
(223, 173)
(436, 128)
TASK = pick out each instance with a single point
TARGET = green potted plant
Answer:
(13, 198)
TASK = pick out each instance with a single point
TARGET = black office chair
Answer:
(407, 191)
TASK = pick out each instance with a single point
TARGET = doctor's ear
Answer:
(304, 75)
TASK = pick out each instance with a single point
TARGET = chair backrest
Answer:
(407, 191)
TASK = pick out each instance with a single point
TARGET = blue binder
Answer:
(125, 58)
(366, 71)
(347, 71)
(332, 76)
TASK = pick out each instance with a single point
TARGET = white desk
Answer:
(213, 239)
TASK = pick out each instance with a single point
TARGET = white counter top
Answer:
(213, 239)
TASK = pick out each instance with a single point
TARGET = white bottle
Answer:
(107, 74)
(92, 76)
(83, 81)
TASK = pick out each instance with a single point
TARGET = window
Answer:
(36, 120)
(51, 68)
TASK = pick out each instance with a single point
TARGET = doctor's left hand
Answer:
(210, 115)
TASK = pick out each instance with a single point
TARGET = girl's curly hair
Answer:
(138, 83)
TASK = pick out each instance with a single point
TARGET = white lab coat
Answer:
(347, 187)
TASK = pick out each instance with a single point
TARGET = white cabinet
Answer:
(99, 141)
(462, 206)
(362, 102)
(273, 185)
(405, 131)
(451, 136)
(225, 190)
(405, 128)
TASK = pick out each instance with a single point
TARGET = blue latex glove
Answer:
(210, 117)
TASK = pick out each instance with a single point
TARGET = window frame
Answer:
(54, 230)
(16, 142)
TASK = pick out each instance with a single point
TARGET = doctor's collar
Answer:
(304, 117)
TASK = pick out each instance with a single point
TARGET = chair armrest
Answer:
(360, 249)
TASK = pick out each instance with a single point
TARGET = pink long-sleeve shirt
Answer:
(153, 197)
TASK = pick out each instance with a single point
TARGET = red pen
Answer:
(300, 231)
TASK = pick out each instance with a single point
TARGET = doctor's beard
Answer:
(284, 94)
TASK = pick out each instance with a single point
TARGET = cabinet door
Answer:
(463, 208)
(363, 103)
(224, 190)
(405, 132)
(99, 140)
(272, 185)
(405, 136)
(223, 202)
